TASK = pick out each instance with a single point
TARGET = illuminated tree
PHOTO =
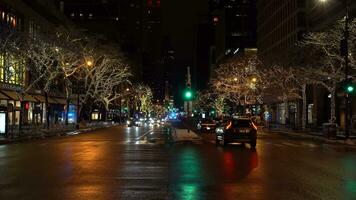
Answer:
(145, 97)
(240, 80)
(327, 64)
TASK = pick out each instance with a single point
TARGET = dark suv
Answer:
(206, 125)
(239, 130)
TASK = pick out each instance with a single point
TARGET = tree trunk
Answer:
(47, 110)
(286, 111)
(332, 106)
(67, 110)
(304, 106)
(67, 93)
(22, 108)
(78, 111)
(120, 112)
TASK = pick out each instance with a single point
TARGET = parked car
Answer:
(237, 130)
(206, 125)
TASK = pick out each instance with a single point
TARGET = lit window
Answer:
(2, 67)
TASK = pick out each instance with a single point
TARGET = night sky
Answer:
(180, 19)
(179, 23)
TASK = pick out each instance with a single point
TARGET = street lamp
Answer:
(254, 79)
(89, 63)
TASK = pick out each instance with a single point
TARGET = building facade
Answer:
(29, 18)
(234, 26)
(281, 24)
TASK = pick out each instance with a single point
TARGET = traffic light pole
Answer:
(348, 110)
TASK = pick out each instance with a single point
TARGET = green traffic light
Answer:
(350, 89)
(188, 94)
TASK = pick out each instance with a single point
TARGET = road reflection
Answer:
(187, 174)
(196, 171)
(237, 163)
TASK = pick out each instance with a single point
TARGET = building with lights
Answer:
(29, 18)
(281, 24)
(234, 29)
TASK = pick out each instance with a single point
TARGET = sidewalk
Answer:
(316, 136)
(56, 131)
(183, 135)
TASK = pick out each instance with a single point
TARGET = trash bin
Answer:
(330, 130)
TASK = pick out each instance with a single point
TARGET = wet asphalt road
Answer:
(138, 163)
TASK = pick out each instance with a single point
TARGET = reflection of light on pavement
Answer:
(189, 175)
(351, 186)
(189, 192)
(228, 164)
(348, 168)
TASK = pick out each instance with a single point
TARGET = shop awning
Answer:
(16, 96)
(28, 97)
(12, 94)
(40, 98)
(60, 101)
(3, 97)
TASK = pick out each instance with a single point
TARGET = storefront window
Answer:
(2, 67)
(281, 113)
(72, 114)
(30, 111)
(44, 113)
(18, 104)
(3, 102)
(17, 117)
(95, 116)
(10, 118)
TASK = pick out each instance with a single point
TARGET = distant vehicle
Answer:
(133, 122)
(206, 125)
(237, 130)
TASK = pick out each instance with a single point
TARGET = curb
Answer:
(53, 134)
(348, 142)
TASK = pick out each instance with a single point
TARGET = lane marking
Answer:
(290, 144)
(145, 134)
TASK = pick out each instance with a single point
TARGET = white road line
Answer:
(290, 144)
(145, 134)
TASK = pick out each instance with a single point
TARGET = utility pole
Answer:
(188, 95)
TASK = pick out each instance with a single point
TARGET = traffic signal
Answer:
(188, 94)
(350, 88)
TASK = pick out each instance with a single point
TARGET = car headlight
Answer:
(219, 130)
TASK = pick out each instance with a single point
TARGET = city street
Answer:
(144, 163)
